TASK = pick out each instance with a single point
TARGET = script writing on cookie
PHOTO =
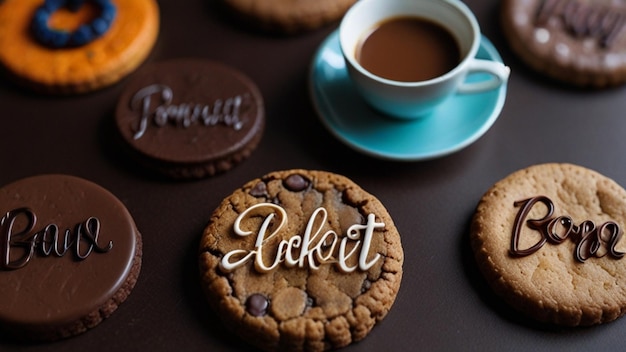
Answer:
(19, 244)
(591, 240)
(311, 249)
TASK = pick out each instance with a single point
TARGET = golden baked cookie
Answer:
(288, 16)
(301, 260)
(549, 241)
(76, 69)
(577, 42)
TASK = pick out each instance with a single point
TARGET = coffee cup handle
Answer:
(498, 71)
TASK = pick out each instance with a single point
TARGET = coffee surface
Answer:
(408, 49)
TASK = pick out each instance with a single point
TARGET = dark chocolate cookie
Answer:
(190, 118)
(301, 260)
(70, 254)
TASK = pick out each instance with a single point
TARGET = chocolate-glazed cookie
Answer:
(70, 254)
(190, 118)
(301, 260)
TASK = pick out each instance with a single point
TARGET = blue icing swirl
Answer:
(85, 34)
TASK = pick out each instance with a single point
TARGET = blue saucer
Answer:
(459, 122)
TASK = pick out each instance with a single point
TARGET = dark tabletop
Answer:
(443, 303)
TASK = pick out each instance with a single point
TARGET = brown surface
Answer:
(443, 303)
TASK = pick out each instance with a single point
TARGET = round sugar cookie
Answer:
(70, 255)
(577, 42)
(76, 69)
(190, 118)
(288, 16)
(301, 260)
(549, 241)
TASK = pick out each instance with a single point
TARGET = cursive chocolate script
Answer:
(220, 111)
(312, 249)
(584, 19)
(18, 246)
(591, 241)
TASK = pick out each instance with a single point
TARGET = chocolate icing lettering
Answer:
(315, 246)
(219, 111)
(591, 241)
(584, 19)
(18, 246)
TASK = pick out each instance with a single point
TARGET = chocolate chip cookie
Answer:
(301, 260)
